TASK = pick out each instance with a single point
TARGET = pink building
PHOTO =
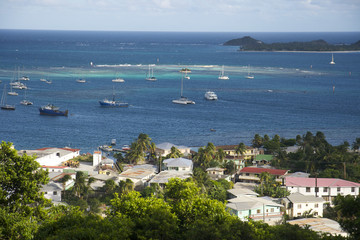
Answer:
(327, 188)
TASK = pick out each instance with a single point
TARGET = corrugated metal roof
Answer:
(260, 170)
(321, 182)
(300, 198)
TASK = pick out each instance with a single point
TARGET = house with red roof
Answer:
(327, 188)
(252, 174)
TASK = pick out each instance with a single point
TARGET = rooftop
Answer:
(321, 182)
(249, 202)
(300, 198)
(260, 170)
(168, 146)
(178, 162)
(324, 225)
(165, 176)
(139, 172)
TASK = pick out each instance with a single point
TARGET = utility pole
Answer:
(344, 163)
(316, 188)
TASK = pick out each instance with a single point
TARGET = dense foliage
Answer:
(314, 155)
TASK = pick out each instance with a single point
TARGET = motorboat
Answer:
(81, 80)
(51, 110)
(209, 95)
(119, 80)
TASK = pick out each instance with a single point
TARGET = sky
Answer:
(183, 15)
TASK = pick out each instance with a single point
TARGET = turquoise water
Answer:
(292, 92)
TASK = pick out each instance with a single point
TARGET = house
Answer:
(164, 149)
(256, 208)
(52, 191)
(242, 189)
(322, 225)
(139, 174)
(217, 173)
(164, 176)
(57, 176)
(52, 156)
(263, 159)
(297, 205)
(239, 160)
(327, 188)
(252, 174)
(178, 164)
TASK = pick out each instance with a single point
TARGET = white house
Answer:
(242, 189)
(164, 149)
(163, 177)
(256, 208)
(327, 188)
(52, 156)
(52, 191)
(139, 174)
(96, 158)
(178, 164)
(297, 204)
(217, 173)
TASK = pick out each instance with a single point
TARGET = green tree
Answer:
(174, 153)
(270, 187)
(348, 209)
(240, 149)
(220, 155)
(20, 181)
(257, 141)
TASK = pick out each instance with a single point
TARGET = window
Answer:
(325, 189)
(316, 189)
(353, 189)
(299, 214)
(338, 189)
(55, 193)
(316, 205)
(247, 174)
(299, 206)
(258, 211)
(307, 189)
(306, 205)
(271, 210)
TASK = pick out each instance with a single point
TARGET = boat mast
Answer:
(182, 79)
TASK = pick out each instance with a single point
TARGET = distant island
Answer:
(250, 44)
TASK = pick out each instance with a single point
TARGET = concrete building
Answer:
(52, 156)
(97, 158)
(217, 173)
(52, 191)
(164, 149)
(327, 188)
(297, 205)
(256, 208)
(139, 174)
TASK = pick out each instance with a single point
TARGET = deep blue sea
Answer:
(292, 92)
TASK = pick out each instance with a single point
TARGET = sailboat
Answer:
(182, 99)
(150, 75)
(25, 101)
(332, 59)
(249, 76)
(222, 75)
(112, 103)
(3, 104)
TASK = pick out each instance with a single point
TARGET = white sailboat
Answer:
(249, 76)
(25, 101)
(332, 59)
(182, 100)
(222, 75)
(150, 75)
(3, 104)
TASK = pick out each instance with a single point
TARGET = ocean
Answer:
(292, 92)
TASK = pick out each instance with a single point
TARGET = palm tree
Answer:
(240, 149)
(79, 185)
(220, 155)
(174, 153)
(144, 142)
(152, 151)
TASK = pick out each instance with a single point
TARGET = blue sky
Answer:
(182, 15)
